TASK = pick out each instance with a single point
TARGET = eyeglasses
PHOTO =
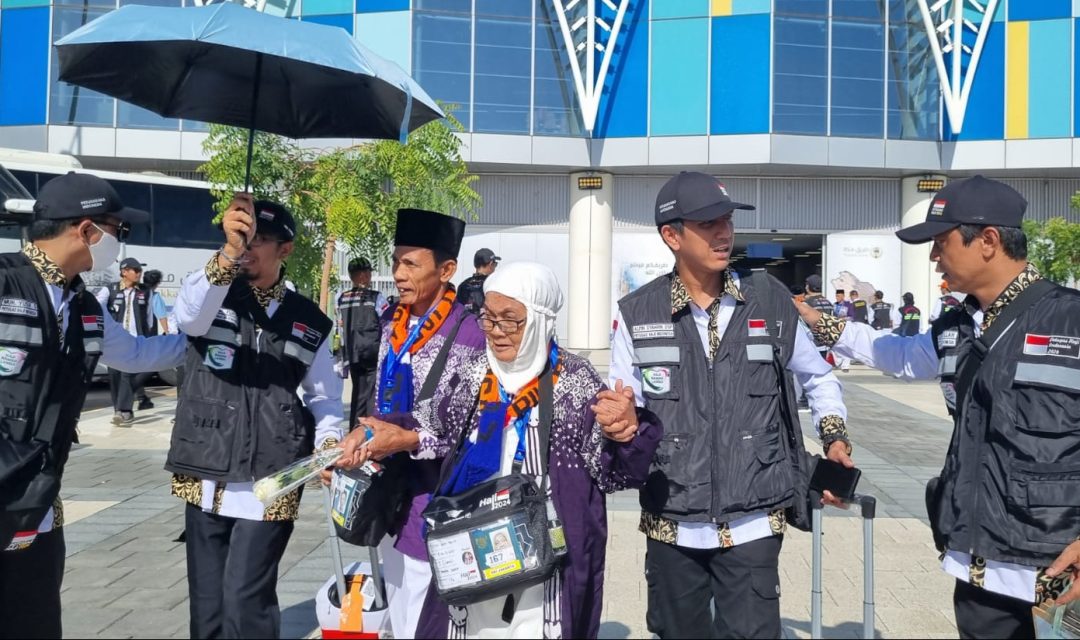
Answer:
(259, 241)
(508, 327)
(123, 229)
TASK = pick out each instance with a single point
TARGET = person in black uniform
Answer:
(471, 291)
(859, 308)
(882, 312)
(910, 317)
(1005, 504)
(358, 322)
(128, 302)
(52, 332)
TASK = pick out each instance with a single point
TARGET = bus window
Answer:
(183, 218)
(136, 195)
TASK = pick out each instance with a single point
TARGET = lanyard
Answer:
(520, 424)
(393, 360)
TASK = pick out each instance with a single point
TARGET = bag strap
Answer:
(435, 372)
(979, 348)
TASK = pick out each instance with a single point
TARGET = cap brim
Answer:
(714, 211)
(132, 216)
(925, 231)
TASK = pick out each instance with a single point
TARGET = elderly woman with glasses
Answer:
(600, 442)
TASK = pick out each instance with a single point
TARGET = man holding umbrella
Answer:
(52, 332)
(253, 345)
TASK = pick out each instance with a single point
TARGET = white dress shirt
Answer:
(823, 392)
(914, 358)
(196, 307)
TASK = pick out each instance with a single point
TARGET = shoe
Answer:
(846, 369)
(145, 404)
(124, 419)
(116, 417)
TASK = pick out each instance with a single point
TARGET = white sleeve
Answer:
(125, 352)
(824, 392)
(198, 303)
(894, 315)
(912, 358)
(622, 361)
(381, 304)
(935, 309)
(102, 296)
(321, 389)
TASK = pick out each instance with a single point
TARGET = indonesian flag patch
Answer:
(22, 540)
(306, 333)
(757, 328)
(92, 323)
(1057, 346)
(1036, 345)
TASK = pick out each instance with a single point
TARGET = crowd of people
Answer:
(506, 442)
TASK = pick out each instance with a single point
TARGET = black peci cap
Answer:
(975, 200)
(78, 195)
(694, 196)
(429, 230)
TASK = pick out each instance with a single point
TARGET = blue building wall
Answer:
(678, 68)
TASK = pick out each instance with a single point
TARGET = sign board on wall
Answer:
(637, 257)
(863, 261)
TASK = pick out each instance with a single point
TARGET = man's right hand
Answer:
(809, 314)
(239, 225)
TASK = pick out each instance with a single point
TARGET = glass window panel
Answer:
(803, 7)
(503, 68)
(442, 59)
(182, 217)
(858, 83)
(455, 6)
(195, 125)
(914, 92)
(154, 3)
(69, 104)
(137, 195)
(132, 117)
(800, 88)
(556, 110)
(504, 8)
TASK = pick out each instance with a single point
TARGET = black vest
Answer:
(1011, 478)
(118, 308)
(882, 315)
(819, 302)
(471, 293)
(361, 328)
(239, 417)
(42, 384)
(910, 320)
(722, 455)
(861, 314)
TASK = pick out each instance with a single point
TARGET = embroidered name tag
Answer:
(1060, 346)
(948, 339)
(18, 307)
(306, 334)
(229, 316)
(93, 323)
(646, 331)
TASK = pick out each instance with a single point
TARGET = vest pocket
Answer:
(671, 481)
(204, 438)
(1042, 502)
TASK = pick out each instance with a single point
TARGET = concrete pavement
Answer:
(126, 573)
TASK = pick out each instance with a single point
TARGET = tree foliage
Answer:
(1054, 247)
(347, 197)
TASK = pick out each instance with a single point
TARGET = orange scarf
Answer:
(400, 322)
(526, 398)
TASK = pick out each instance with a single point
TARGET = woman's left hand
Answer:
(616, 412)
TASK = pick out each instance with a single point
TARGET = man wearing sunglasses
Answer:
(52, 333)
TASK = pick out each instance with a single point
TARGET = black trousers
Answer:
(30, 588)
(741, 583)
(232, 575)
(363, 391)
(985, 614)
(122, 389)
(138, 385)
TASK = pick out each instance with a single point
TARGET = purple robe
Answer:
(583, 467)
(424, 470)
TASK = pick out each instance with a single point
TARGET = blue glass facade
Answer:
(842, 68)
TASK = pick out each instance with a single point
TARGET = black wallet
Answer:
(836, 478)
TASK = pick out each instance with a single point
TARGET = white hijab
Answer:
(534, 286)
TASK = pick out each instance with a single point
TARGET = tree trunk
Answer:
(324, 284)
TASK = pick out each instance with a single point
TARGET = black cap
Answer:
(813, 283)
(975, 200)
(131, 263)
(77, 195)
(275, 219)
(694, 196)
(359, 264)
(484, 257)
(429, 230)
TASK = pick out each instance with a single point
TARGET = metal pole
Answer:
(815, 570)
(377, 577)
(251, 120)
(868, 505)
(335, 548)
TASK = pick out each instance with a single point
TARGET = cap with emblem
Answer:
(977, 200)
(78, 195)
(131, 263)
(694, 196)
(273, 218)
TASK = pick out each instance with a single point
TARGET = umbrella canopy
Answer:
(225, 64)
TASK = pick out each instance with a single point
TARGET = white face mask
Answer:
(105, 251)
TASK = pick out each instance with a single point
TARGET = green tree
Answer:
(1054, 247)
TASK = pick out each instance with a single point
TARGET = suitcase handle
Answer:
(868, 507)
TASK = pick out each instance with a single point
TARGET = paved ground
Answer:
(126, 578)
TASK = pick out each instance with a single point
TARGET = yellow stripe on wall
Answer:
(721, 7)
(1017, 78)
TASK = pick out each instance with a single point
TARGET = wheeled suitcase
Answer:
(868, 506)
